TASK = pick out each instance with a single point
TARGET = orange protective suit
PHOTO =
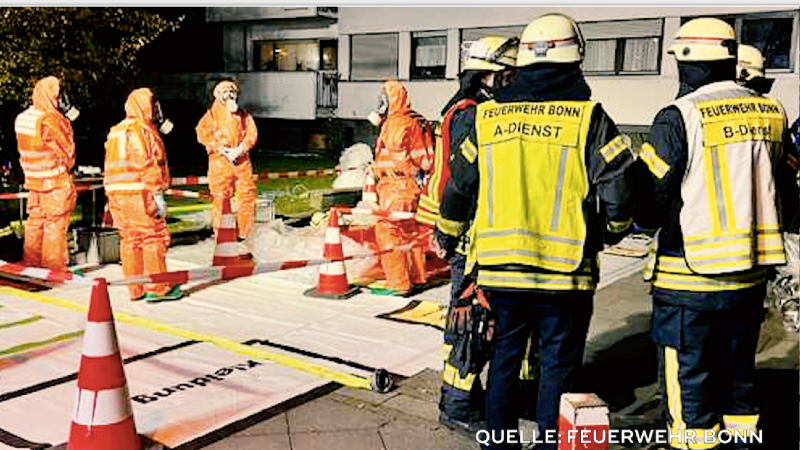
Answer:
(217, 129)
(401, 152)
(136, 168)
(47, 155)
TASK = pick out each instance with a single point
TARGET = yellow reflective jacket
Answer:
(540, 165)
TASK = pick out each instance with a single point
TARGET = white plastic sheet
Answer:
(783, 290)
(277, 241)
(353, 164)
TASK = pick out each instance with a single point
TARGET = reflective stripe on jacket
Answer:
(729, 217)
(431, 198)
(533, 185)
(135, 156)
(45, 164)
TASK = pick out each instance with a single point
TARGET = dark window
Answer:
(623, 47)
(373, 56)
(429, 55)
(772, 33)
(773, 37)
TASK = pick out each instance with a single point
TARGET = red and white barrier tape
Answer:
(295, 174)
(191, 180)
(186, 194)
(216, 273)
(391, 215)
(196, 180)
(51, 276)
(19, 195)
(204, 273)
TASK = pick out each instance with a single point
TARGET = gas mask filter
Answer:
(66, 108)
(229, 98)
(164, 125)
(376, 117)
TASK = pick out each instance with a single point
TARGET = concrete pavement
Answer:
(620, 366)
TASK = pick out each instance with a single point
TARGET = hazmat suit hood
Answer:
(399, 102)
(140, 105)
(45, 94)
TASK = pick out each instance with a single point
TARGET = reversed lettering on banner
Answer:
(196, 382)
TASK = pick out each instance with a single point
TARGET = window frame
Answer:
(619, 53)
(413, 60)
(257, 54)
(738, 25)
(378, 78)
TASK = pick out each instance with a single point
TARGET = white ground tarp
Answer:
(183, 390)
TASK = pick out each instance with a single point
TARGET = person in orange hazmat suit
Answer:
(401, 154)
(47, 155)
(229, 133)
(136, 175)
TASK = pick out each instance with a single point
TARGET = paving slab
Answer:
(338, 440)
(330, 413)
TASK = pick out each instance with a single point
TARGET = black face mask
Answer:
(164, 125)
(66, 107)
(696, 74)
(502, 79)
(762, 85)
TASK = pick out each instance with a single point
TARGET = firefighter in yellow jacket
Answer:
(489, 63)
(718, 169)
(136, 176)
(547, 173)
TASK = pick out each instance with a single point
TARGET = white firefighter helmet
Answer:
(551, 38)
(492, 53)
(750, 64)
(704, 39)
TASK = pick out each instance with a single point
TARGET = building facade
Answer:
(303, 67)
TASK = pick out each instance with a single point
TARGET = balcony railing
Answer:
(327, 89)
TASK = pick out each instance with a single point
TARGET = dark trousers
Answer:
(562, 322)
(457, 403)
(707, 361)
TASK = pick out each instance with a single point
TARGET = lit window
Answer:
(287, 56)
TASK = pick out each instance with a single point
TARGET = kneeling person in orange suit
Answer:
(401, 153)
(47, 155)
(136, 175)
(228, 134)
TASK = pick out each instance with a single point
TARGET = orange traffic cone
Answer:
(103, 417)
(227, 251)
(332, 276)
(370, 194)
